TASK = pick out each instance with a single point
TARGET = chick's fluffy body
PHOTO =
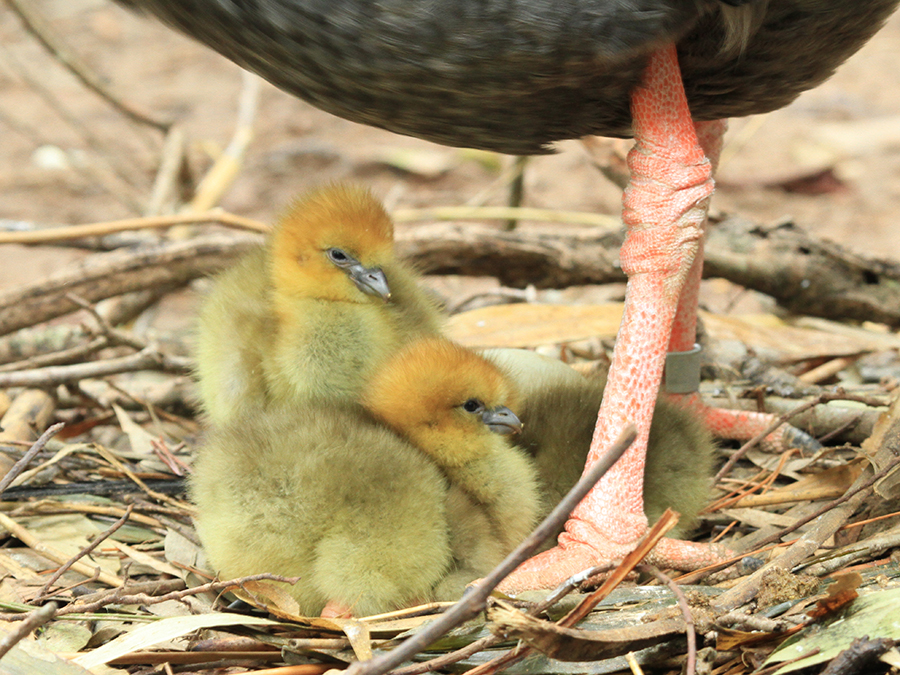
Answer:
(493, 500)
(286, 325)
(328, 495)
(559, 411)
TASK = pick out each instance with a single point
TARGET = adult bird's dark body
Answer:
(516, 75)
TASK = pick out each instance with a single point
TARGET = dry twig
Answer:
(691, 665)
(30, 622)
(83, 552)
(803, 407)
(55, 235)
(36, 447)
(124, 596)
(38, 28)
(147, 359)
(53, 554)
(105, 275)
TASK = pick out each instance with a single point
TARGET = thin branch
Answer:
(53, 235)
(53, 554)
(57, 358)
(36, 447)
(115, 336)
(83, 552)
(153, 588)
(473, 601)
(691, 665)
(222, 174)
(148, 359)
(803, 407)
(105, 167)
(71, 587)
(121, 595)
(36, 26)
(153, 494)
(172, 169)
(34, 620)
(865, 485)
(450, 658)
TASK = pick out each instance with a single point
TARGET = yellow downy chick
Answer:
(329, 495)
(559, 410)
(451, 404)
(311, 315)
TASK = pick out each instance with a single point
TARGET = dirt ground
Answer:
(67, 157)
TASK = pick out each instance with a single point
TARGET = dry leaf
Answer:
(270, 596)
(28, 657)
(828, 484)
(140, 439)
(839, 594)
(873, 614)
(728, 639)
(533, 325)
(163, 630)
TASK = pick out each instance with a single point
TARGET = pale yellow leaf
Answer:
(793, 342)
(145, 559)
(524, 325)
(139, 438)
(151, 634)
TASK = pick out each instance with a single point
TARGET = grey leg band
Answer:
(682, 375)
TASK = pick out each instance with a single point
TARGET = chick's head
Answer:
(445, 399)
(332, 244)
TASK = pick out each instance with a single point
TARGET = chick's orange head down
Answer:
(434, 392)
(335, 220)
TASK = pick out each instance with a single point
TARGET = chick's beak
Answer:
(502, 420)
(370, 280)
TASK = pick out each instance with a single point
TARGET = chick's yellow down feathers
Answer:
(559, 410)
(310, 315)
(325, 494)
(452, 404)
(407, 500)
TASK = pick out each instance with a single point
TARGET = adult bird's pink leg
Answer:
(737, 425)
(664, 208)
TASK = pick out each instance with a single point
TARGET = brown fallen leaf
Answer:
(728, 639)
(840, 594)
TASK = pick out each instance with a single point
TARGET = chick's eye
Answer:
(337, 256)
(473, 405)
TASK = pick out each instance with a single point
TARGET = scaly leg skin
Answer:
(664, 209)
(733, 424)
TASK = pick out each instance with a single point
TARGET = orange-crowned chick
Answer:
(454, 406)
(559, 411)
(310, 315)
(329, 495)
